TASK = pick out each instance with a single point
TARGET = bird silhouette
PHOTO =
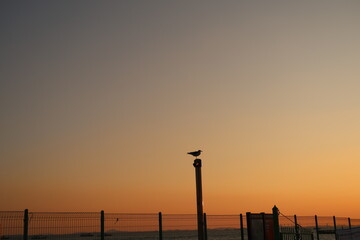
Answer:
(196, 153)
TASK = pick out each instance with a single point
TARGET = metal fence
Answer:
(315, 227)
(11, 224)
(24, 225)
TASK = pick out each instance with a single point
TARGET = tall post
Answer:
(199, 200)
(26, 224)
(275, 211)
(102, 225)
(349, 221)
(160, 226)
(242, 227)
(317, 227)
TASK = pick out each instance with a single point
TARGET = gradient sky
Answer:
(101, 100)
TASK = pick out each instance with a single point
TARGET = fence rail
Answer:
(25, 225)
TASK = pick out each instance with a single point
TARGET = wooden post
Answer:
(242, 227)
(26, 224)
(275, 211)
(102, 225)
(160, 226)
(317, 227)
(349, 221)
(199, 200)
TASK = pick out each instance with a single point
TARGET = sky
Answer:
(101, 100)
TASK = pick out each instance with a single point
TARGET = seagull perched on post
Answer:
(196, 153)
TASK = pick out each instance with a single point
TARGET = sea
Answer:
(212, 234)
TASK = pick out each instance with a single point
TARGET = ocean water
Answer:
(213, 234)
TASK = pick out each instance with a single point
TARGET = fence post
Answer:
(317, 227)
(275, 211)
(349, 220)
(160, 226)
(26, 224)
(241, 227)
(205, 227)
(334, 219)
(297, 234)
(102, 225)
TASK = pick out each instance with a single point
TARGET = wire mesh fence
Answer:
(306, 221)
(325, 223)
(64, 225)
(355, 222)
(286, 221)
(11, 224)
(179, 226)
(98, 226)
(131, 226)
(224, 226)
(342, 223)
